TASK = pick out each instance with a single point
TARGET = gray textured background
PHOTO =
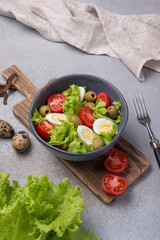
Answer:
(136, 213)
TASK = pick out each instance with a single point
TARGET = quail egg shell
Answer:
(82, 92)
(56, 118)
(6, 130)
(85, 133)
(102, 125)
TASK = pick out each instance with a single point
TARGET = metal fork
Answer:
(143, 118)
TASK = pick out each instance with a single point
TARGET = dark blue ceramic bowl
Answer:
(92, 83)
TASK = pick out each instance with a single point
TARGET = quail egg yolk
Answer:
(104, 127)
(58, 117)
(87, 135)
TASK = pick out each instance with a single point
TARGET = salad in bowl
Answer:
(78, 120)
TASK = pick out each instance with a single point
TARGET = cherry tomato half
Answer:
(43, 128)
(104, 97)
(86, 116)
(116, 162)
(55, 102)
(113, 184)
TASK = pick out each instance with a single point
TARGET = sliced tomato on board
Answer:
(86, 116)
(104, 97)
(113, 184)
(43, 128)
(116, 162)
(55, 102)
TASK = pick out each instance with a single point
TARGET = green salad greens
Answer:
(37, 117)
(80, 146)
(118, 106)
(63, 134)
(41, 210)
(67, 135)
(73, 104)
(101, 112)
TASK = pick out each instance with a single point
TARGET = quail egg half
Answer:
(56, 118)
(85, 133)
(102, 125)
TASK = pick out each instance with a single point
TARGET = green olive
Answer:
(75, 120)
(44, 110)
(97, 143)
(112, 111)
(90, 104)
(90, 96)
(65, 93)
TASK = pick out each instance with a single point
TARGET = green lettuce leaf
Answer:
(99, 110)
(74, 234)
(72, 105)
(37, 117)
(40, 210)
(80, 146)
(118, 106)
(63, 134)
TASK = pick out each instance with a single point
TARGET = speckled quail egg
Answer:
(6, 130)
(85, 133)
(20, 141)
(102, 125)
(56, 118)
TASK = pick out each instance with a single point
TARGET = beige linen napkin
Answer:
(135, 39)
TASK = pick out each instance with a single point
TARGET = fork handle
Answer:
(156, 147)
(157, 154)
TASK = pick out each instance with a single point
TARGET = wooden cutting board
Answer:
(90, 172)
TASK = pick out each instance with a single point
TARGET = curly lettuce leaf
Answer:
(63, 134)
(74, 234)
(80, 146)
(41, 210)
(37, 117)
(72, 105)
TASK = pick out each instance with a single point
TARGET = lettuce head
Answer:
(41, 210)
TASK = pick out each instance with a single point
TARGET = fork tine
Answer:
(135, 107)
(143, 105)
(139, 105)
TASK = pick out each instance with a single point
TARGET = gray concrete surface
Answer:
(136, 213)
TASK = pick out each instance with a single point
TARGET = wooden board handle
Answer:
(22, 83)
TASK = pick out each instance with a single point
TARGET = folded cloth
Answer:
(134, 39)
